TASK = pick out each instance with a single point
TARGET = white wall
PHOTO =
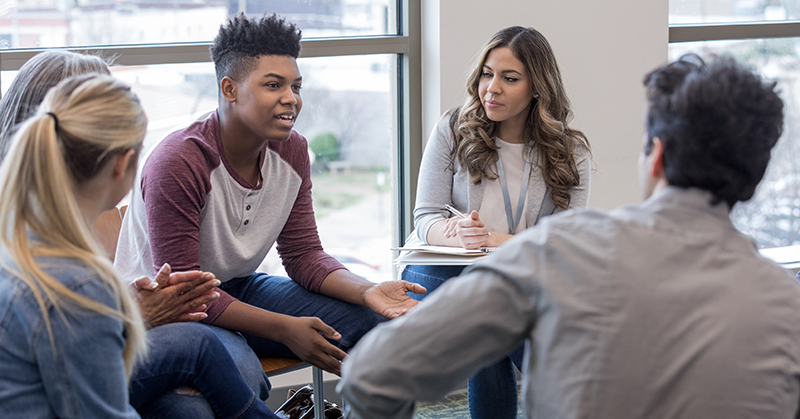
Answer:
(604, 49)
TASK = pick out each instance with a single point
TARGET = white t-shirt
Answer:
(493, 210)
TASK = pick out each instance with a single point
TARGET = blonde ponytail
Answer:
(82, 122)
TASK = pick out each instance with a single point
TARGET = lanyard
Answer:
(512, 222)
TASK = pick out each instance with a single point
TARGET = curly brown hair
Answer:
(718, 122)
(547, 129)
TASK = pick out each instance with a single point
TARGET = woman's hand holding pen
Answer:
(470, 230)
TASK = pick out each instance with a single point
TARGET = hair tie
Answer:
(55, 119)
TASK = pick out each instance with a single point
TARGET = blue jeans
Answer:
(429, 277)
(195, 355)
(282, 295)
(492, 392)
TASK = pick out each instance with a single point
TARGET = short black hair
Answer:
(243, 40)
(718, 122)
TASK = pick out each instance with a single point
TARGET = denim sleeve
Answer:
(82, 368)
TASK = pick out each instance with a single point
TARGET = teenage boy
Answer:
(218, 194)
(661, 310)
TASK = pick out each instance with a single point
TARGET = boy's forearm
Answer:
(346, 286)
(245, 318)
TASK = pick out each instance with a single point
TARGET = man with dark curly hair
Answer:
(219, 193)
(661, 310)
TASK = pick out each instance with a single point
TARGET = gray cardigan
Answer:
(441, 183)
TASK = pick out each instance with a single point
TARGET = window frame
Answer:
(700, 32)
(406, 45)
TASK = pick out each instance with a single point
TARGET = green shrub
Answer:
(326, 147)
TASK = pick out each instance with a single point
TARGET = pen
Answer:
(455, 211)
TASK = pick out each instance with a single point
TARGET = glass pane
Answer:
(347, 118)
(348, 106)
(52, 23)
(772, 216)
(707, 11)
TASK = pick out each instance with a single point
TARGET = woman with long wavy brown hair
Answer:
(506, 158)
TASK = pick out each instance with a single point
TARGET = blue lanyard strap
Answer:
(526, 175)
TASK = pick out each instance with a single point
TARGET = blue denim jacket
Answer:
(85, 376)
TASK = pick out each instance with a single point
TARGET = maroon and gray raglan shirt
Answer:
(190, 209)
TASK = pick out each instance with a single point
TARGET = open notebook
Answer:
(439, 255)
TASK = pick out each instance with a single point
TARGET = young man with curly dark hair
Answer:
(218, 194)
(661, 310)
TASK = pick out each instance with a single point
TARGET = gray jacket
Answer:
(441, 183)
(661, 310)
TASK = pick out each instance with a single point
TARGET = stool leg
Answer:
(319, 399)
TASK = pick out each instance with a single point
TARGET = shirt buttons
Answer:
(247, 208)
(246, 222)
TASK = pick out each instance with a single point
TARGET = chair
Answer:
(107, 230)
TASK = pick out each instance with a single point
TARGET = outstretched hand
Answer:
(175, 297)
(389, 299)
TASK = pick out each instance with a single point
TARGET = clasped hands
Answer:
(175, 297)
(471, 231)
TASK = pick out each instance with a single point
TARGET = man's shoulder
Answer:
(193, 146)
(626, 216)
(579, 229)
(581, 219)
(200, 135)
(570, 230)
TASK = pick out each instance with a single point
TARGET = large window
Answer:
(715, 11)
(771, 47)
(357, 59)
(347, 119)
(57, 23)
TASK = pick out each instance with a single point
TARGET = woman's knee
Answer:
(429, 276)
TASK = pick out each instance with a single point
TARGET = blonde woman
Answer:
(506, 158)
(71, 332)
